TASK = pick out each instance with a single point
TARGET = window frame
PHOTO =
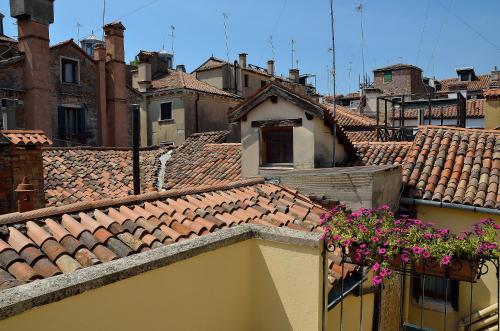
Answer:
(74, 117)
(76, 72)
(263, 145)
(435, 301)
(246, 78)
(387, 73)
(171, 119)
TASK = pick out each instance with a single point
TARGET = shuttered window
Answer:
(166, 111)
(69, 71)
(277, 146)
(71, 121)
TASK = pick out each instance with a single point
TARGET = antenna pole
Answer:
(293, 51)
(349, 71)
(225, 34)
(271, 43)
(334, 74)
(172, 35)
(103, 16)
(78, 26)
(360, 10)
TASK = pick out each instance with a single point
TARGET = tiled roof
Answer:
(348, 119)
(398, 66)
(202, 159)
(383, 153)
(361, 136)
(182, 80)
(492, 93)
(454, 165)
(454, 84)
(25, 137)
(211, 165)
(51, 241)
(82, 174)
(475, 109)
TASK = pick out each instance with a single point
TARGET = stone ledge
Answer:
(21, 298)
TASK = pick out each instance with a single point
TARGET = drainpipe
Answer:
(235, 77)
(196, 127)
(136, 135)
(412, 202)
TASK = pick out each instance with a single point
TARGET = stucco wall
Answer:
(213, 77)
(351, 314)
(310, 141)
(492, 114)
(250, 285)
(170, 130)
(484, 290)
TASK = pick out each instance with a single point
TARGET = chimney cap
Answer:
(270, 61)
(25, 186)
(243, 54)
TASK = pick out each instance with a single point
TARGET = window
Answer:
(262, 83)
(246, 80)
(465, 76)
(387, 76)
(435, 291)
(69, 71)
(277, 145)
(71, 121)
(166, 111)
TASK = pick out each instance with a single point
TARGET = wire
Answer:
(424, 26)
(443, 23)
(273, 29)
(469, 26)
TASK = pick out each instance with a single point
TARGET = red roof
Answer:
(26, 137)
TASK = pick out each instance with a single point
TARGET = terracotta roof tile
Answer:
(454, 165)
(348, 119)
(382, 153)
(25, 137)
(64, 243)
(362, 136)
(474, 109)
(454, 84)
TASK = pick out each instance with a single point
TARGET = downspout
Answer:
(235, 77)
(136, 134)
(413, 202)
(196, 126)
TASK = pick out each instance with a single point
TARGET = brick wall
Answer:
(404, 81)
(15, 163)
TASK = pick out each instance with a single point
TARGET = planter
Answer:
(459, 269)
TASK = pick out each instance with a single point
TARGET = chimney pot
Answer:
(270, 67)
(25, 195)
(181, 67)
(243, 60)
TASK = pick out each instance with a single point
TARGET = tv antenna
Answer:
(293, 51)
(172, 36)
(360, 10)
(349, 70)
(226, 18)
(78, 26)
(103, 16)
(334, 85)
(271, 43)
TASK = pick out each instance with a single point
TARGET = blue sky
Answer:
(418, 32)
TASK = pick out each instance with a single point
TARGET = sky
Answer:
(437, 35)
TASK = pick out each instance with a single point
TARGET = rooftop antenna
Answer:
(103, 16)
(271, 43)
(400, 59)
(172, 36)
(226, 17)
(78, 26)
(297, 64)
(334, 150)
(293, 51)
(349, 70)
(360, 9)
(328, 79)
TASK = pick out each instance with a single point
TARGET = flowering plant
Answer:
(374, 237)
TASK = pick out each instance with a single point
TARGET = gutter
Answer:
(414, 202)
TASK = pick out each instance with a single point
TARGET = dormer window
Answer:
(70, 71)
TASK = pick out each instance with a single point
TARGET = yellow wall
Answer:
(484, 290)
(492, 114)
(351, 314)
(251, 285)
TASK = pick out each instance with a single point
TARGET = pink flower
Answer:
(376, 266)
(375, 239)
(377, 280)
(446, 260)
(405, 258)
(382, 251)
(417, 250)
(426, 254)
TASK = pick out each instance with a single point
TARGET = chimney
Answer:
(294, 75)
(33, 20)
(25, 195)
(144, 72)
(116, 91)
(181, 67)
(1, 24)
(102, 118)
(270, 67)
(243, 60)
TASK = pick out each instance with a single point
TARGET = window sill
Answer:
(284, 166)
(434, 305)
(71, 84)
(166, 121)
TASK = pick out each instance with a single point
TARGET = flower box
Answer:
(459, 269)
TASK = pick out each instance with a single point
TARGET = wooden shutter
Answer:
(81, 120)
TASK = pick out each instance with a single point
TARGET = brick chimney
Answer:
(25, 196)
(144, 72)
(294, 75)
(102, 118)
(243, 60)
(116, 93)
(33, 20)
(180, 67)
(270, 67)
(18, 160)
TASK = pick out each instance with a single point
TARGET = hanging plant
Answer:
(375, 238)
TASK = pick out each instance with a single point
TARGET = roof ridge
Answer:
(420, 127)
